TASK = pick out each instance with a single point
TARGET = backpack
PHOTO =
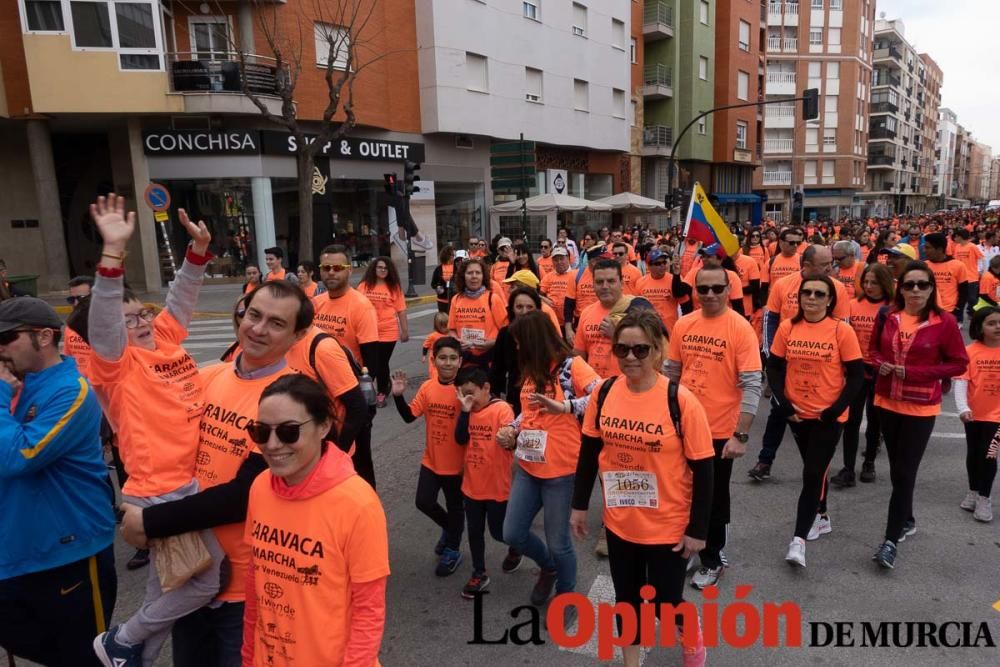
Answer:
(673, 404)
(333, 434)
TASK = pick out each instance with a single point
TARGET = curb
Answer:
(421, 300)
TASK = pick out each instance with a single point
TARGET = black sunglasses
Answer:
(714, 289)
(287, 432)
(640, 352)
(910, 285)
(813, 293)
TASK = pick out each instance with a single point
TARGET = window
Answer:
(581, 95)
(815, 37)
(830, 136)
(210, 37)
(131, 28)
(818, 4)
(44, 15)
(332, 39)
(633, 51)
(830, 102)
(703, 68)
(618, 102)
(744, 38)
(579, 20)
(741, 134)
(833, 70)
(828, 175)
(703, 9)
(834, 37)
(812, 138)
(532, 84)
(476, 75)
(702, 126)
(742, 85)
(814, 69)
(836, 5)
(530, 9)
(91, 24)
(618, 34)
(810, 172)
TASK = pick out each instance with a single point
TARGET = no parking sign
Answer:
(157, 197)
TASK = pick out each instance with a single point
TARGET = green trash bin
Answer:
(27, 284)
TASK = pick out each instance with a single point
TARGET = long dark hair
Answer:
(518, 291)
(310, 269)
(521, 248)
(459, 275)
(899, 302)
(879, 245)
(539, 348)
(391, 278)
(831, 290)
(976, 326)
(883, 276)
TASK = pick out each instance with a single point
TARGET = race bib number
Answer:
(630, 488)
(474, 336)
(531, 446)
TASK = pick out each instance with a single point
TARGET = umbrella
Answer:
(550, 202)
(629, 202)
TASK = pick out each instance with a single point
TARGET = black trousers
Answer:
(479, 514)
(210, 637)
(817, 442)
(906, 440)
(51, 617)
(774, 432)
(981, 469)
(722, 471)
(362, 456)
(382, 381)
(864, 402)
(452, 519)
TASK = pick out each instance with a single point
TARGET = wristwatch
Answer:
(742, 437)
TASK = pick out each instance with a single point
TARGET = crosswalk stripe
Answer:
(230, 336)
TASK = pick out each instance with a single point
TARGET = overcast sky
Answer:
(961, 36)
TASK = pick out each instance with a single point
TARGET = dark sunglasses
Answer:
(287, 432)
(640, 352)
(714, 289)
(911, 285)
(8, 337)
(813, 293)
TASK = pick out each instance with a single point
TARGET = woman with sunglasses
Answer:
(916, 346)
(656, 508)
(814, 370)
(382, 287)
(477, 313)
(317, 533)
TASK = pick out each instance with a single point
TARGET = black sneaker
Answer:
(112, 653)
(886, 555)
(139, 559)
(450, 560)
(760, 472)
(511, 562)
(909, 528)
(442, 542)
(542, 591)
(843, 479)
(477, 583)
(867, 472)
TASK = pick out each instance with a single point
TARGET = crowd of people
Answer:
(637, 357)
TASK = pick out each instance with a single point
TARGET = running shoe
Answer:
(441, 543)
(984, 510)
(969, 504)
(694, 656)
(843, 479)
(113, 653)
(476, 584)
(542, 590)
(511, 562)
(909, 528)
(707, 576)
(886, 555)
(450, 560)
(867, 472)
(821, 526)
(796, 552)
(760, 472)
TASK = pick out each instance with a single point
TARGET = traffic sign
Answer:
(157, 197)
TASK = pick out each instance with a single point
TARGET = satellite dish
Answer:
(881, 15)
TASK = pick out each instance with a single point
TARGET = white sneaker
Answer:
(706, 576)
(821, 526)
(984, 509)
(969, 504)
(796, 552)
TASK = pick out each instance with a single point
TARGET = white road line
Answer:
(602, 590)
(421, 313)
(223, 336)
(220, 327)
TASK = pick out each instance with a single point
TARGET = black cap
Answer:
(27, 311)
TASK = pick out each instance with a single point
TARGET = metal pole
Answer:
(411, 291)
(524, 192)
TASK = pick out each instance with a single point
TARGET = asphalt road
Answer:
(949, 571)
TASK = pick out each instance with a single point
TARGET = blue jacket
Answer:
(55, 502)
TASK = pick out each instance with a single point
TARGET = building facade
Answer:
(981, 159)
(823, 44)
(946, 141)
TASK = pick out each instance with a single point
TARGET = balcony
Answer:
(791, 13)
(774, 13)
(780, 83)
(217, 86)
(779, 116)
(887, 52)
(657, 82)
(883, 79)
(778, 44)
(657, 21)
(880, 161)
(777, 178)
(884, 107)
(657, 140)
(881, 133)
(782, 145)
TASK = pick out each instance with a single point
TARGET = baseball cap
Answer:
(560, 250)
(904, 249)
(504, 242)
(525, 277)
(461, 254)
(655, 254)
(27, 311)
(712, 249)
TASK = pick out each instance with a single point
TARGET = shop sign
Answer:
(347, 148)
(200, 142)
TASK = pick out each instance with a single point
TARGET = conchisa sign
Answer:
(269, 142)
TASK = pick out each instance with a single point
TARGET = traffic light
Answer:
(409, 176)
(810, 104)
(390, 183)
(797, 195)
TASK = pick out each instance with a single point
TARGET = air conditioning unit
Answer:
(532, 98)
(578, 31)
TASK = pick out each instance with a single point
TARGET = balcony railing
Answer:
(224, 74)
(777, 178)
(880, 160)
(657, 75)
(884, 107)
(658, 12)
(886, 80)
(779, 110)
(889, 51)
(792, 8)
(881, 133)
(791, 44)
(783, 145)
(777, 44)
(774, 43)
(774, 8)
(657, 136)
(781, 77)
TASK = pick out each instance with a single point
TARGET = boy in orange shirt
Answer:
(486, 482)
(440, 331)
(443, 460)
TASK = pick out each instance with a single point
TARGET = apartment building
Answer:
(995, 178)
(823, 44)
(946, 141)
(980, 161)
(963, 166)
(906, 94)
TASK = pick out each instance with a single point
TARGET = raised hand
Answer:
(198, 232)
(115, 227)
(466, 400)
(398, 382)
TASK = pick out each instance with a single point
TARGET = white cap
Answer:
(504, 242)
(461, 254)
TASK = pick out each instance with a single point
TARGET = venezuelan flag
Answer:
(704, 224)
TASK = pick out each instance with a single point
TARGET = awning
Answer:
(737, 198)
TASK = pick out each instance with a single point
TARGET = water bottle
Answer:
(367, 387)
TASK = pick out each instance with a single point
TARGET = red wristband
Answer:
(196, 259)
(110, 272)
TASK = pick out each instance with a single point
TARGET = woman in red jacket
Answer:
(915, 347)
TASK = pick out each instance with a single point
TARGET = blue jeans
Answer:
(528, 495)
(210, 637)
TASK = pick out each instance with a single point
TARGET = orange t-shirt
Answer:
(331, 362)
(549, 445)
(223, 446)
(585, 294)
(865, 250)
(908, 325)
(688, 255)
(349, 318)
(594, 345)
(249, 287)
(548, 310)
(748, 270)
(735, 285)
(310, 289)
(760, 255)
(782, 266)
(784, 298)
(643, 465)
(948, 275)
(630, 278)
(545, 266)
(153, 400)
(487, 464)
(479, 319)
(498, 274)
(432, 337)
(849, 278)
(969, 255)
(439, 405)
(983, 376)
(387, 304)
(713, 351)
(74, 346)
(660, 293)
(815, 353)
(989, 285)
(559, 287)
(863, 316)
(306, 554)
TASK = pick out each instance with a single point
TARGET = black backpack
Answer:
(673, 404)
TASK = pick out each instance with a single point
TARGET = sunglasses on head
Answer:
(329, 268)
(287, 432)
(813, 293)
(8, 337)
(911, 285)
(714, 289)
(640, 352)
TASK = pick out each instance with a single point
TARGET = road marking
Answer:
(935, 434)
(601, 591)
(997, 605)
(421, 313)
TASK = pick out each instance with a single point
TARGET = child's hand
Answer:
(466, 400)
(398, 382)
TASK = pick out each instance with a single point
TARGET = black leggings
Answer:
(382, 380)
(817, 442)
(635, 565)
(362, 457)
(722, 469)
(906, 440)
(864, 401)
(451, 520)
(982, 470)
(479, 514)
